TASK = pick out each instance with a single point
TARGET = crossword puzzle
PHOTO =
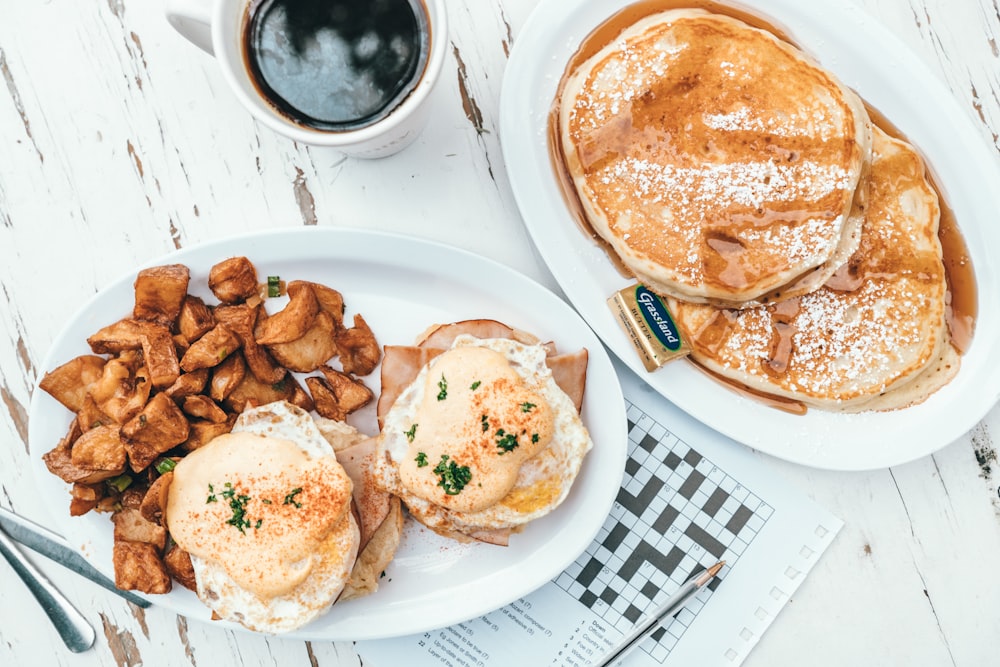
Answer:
(676, 513)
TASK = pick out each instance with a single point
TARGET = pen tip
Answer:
(707, 575)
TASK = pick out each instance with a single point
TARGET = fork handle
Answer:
(74, 629)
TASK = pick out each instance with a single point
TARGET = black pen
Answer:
(669, 608)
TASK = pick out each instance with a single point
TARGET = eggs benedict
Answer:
(265, 514)
(483, 440)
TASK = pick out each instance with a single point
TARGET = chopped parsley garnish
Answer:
(211, 495)
(486, 423)
(527, 407)
(273, 286)
(534, 437)
(506, 442)
(451, 476)
(290, 498)
(443, 386)
(238, 504)
(421, 459)
(412, 433)
(475, 385)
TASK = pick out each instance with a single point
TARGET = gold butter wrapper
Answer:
(647, 322)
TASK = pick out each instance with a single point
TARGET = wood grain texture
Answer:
(120, 142)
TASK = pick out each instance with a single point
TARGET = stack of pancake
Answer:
(794, 240)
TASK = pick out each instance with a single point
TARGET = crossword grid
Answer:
(676, 513)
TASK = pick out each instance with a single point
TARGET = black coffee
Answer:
(336, 64)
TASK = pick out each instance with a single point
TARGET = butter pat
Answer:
(647, 322)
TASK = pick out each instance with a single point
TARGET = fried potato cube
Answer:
(351, 393)
(124, 334)
(226, 376)
(203, 407)
(195, 319)
(300, 397)
(91, 416)
(121, 392)
(314, 348)
(291, 322)
(203, 432)
(242, 320)
(155, 501)
(160, 354)
(131, 498)
(359, 351)
(233, 280)
(160, 292)
(132, 526)
(85, 497)
(69, 382)
(100, 448)
(324, 399)
(59, 461)
(251, 392)
(178, 563)
(211, 349)
(188, 384)
(158, 427)
(330, 301)
(138, 567)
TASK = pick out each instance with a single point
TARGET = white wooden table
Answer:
(119, 142)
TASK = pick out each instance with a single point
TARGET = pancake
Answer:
(875, 336)
(719, 163)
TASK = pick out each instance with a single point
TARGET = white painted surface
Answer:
(119, 141)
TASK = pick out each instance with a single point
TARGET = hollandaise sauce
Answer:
(259, 507)
(477, 421)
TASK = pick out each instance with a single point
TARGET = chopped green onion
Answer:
(120, 483)
(163, 466)
(273, 286)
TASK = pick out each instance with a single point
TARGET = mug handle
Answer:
(193, 20)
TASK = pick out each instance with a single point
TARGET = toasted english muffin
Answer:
(875, 336)
(719, 163)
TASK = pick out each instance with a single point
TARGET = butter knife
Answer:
(76, 632)
(53, 546)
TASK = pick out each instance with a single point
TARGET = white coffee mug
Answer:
(219, 28)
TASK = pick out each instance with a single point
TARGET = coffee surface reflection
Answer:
(336, 64)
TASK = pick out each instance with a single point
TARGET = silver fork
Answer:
(74, 629)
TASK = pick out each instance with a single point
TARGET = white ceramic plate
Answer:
(873, 62)
(401, 286)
